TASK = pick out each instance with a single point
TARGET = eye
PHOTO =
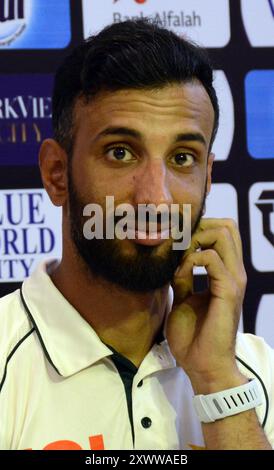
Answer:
(119, 154)
(183, 159)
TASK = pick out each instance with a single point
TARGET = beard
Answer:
(142, 270)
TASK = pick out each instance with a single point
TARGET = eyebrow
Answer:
(191, 136)
(126, 131)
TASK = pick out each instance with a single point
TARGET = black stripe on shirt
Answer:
(11, 354)
(38, 332)
(127, 371)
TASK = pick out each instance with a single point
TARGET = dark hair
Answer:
(131, 54)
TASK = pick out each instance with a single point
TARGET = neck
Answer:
(127, 321)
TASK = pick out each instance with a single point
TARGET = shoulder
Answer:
(255, 350)
(15, 328)
(255, 358)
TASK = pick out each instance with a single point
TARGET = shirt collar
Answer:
(69, 342)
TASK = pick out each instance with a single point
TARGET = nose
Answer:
(151, 185)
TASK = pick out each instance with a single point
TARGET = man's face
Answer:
(142, 147)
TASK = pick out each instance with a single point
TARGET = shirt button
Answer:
(146, 422)
(140, 384)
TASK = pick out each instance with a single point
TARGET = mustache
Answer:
(156, 218)
(163, 220)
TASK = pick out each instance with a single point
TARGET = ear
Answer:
(210, 161)
(53, 166)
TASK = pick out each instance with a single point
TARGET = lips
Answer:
(153, 235)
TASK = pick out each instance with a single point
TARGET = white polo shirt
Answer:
(60, 389)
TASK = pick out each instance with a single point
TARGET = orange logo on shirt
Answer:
(194, 447)
(95, 443)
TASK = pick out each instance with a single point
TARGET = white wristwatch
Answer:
(228, 402)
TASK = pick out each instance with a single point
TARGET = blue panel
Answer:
(25, 117)
(259, 90)
(34, 24)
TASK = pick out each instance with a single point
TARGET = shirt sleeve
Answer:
(255, 358)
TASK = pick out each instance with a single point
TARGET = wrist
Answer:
(205, 384)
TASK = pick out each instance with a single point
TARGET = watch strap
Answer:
(228, 402)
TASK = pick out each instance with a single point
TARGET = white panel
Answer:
(222, 202)
(224, 138)
(258, 19)
(30, 231)
(206, 22)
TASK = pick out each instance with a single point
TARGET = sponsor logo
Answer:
(25, 117)
(96, 442)
(264, 319)
(224, 138)
(258, 19)
(265, 205)
(13, 20)
(24, 24)
(261, 209)
(259, 90)
(30, 229)
(194, 18)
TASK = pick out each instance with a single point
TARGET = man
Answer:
(94, 353)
